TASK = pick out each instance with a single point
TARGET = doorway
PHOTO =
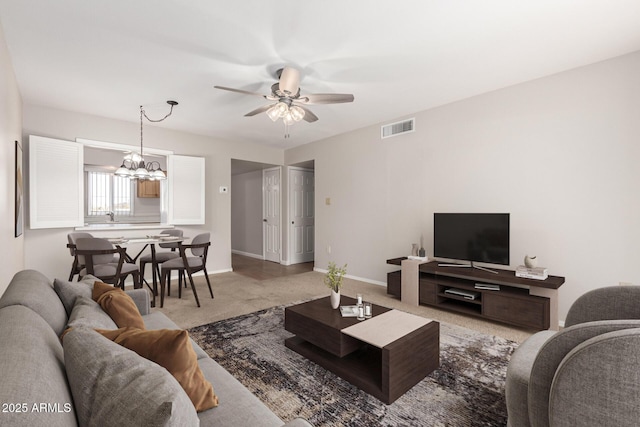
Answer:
(247, 216)
(301, 213)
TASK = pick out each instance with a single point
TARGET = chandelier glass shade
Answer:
(133, 165)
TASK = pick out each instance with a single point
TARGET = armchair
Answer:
(585, 375)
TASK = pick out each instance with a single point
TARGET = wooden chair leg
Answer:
(193, 287)
(74, 267)
(206, 276)
(162, 282)
(168, 280)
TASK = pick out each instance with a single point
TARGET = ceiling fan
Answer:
(287, 103)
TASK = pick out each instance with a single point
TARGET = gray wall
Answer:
(246, 213)
(559, 153)
(12, 259)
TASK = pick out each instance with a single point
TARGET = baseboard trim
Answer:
(348, 276)
(248, 254)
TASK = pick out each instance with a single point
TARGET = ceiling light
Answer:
(297, 113)
(133, 165)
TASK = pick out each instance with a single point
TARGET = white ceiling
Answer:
(397, 57)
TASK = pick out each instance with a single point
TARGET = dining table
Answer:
(147, 241)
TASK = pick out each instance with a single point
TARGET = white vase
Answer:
(530, 262)
(335, 299)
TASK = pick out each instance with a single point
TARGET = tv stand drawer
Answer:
(530, 311)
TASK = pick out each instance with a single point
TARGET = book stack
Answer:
(537, 273)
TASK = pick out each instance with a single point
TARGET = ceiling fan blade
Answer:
(246, 92)
(258, 110)
(289, 81)
(326, 98)
(308, 115)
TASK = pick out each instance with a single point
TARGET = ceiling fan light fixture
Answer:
(273, 113)
(282, 108)
(288, 119)
(296, 113)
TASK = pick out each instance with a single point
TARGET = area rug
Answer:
(466, 390)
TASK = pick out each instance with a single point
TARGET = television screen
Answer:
(481, 237)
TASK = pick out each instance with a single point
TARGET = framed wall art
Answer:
(19, 203)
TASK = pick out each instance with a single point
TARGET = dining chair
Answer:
(98, 256)
(78, 262)
(161, 256)
(199, 248)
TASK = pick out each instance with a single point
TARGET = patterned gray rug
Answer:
(467, 389)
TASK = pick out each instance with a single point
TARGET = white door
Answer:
(271, 214)
(301, 215)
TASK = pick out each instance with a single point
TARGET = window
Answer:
(109, 193)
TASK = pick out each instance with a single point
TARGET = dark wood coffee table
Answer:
(384, 356)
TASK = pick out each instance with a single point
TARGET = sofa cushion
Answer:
(68, 292)
(32, 289)
(171, 349)
(113, 386)
(157, 320)
(118, 305)
(32, 371)
(87, 312)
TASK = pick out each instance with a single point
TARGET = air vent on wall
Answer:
(397, 128)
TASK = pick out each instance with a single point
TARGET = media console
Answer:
(522, 302)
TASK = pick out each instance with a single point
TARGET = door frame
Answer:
(264, 190)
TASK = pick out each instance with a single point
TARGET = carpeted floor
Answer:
(467, 389)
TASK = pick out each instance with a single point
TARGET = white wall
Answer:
(12, 259)
(246, 213)
(45, 249)
(559, 153)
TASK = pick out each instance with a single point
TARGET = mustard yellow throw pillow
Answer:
(171, 349)
(118, 305)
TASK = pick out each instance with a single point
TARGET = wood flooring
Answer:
(263, 270)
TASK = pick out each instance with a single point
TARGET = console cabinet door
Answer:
(428, 292)
(394, 286)
(530, 311)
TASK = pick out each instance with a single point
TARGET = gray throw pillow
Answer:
(113, 386)
(68, 292)
(87, 312)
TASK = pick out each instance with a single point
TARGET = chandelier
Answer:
(133, 165)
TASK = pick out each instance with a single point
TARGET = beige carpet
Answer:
(236, 295)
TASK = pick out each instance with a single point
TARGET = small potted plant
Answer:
(334, 279)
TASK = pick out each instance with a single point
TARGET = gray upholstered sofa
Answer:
(35, 384)
(588, 374)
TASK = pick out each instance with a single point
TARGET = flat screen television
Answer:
(473, 237)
